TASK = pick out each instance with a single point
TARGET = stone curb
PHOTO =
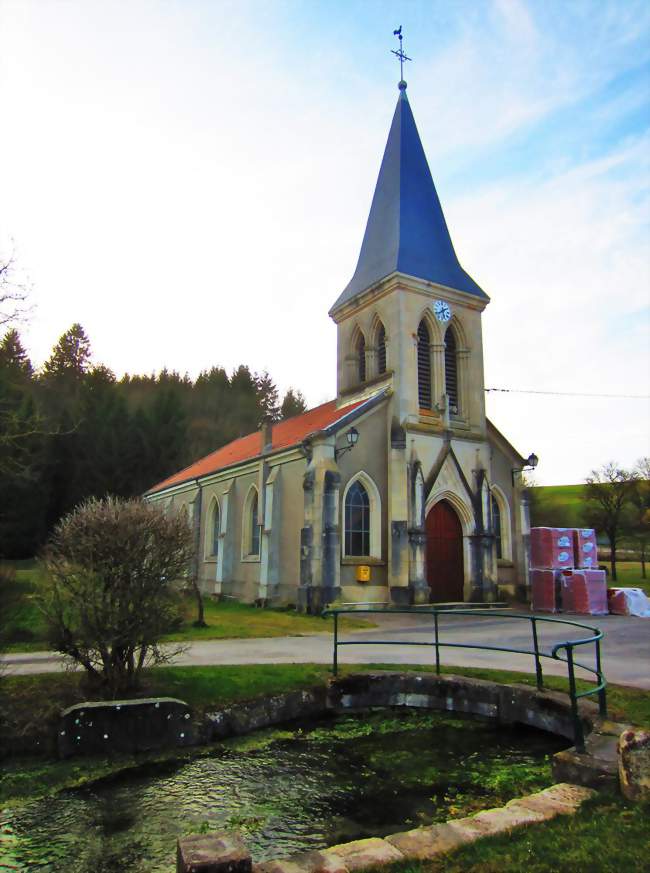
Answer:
(430, 842)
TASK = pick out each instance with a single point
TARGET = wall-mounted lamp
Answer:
(530, 463)
(352, 437)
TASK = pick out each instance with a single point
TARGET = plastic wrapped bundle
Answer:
(585, 548)
(628, 601)
(585, 592)
(551, 548)
(546, 590)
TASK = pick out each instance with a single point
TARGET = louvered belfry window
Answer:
(424, 367)
(451, 369)
(357, 520)
(381, 349)
(361, 358)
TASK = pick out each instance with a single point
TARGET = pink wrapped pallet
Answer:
(585, 592)
(546, 590)
(585, 549)
(551, 548)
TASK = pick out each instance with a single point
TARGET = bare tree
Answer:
(608, 493)
(637, 527)
(108, 597)
(14, 291)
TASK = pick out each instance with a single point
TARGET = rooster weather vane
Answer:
(399, 53)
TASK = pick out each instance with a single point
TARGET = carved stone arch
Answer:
(463, 510)
(357, 355)
(212, 528)
(456, 354)
(378, 346)
(432, 323)
(506, 521)
(374, 498)
(460, 333)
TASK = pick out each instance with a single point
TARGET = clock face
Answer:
(442, 310)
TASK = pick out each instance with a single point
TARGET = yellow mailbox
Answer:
(363, 573)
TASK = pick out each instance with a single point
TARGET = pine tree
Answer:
(13, 357)
(267, 398)
(293, 404)
(70, 356)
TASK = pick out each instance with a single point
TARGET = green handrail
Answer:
(567, 645)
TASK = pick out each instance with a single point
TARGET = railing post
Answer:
(578, 734)
(602, 694)
(538, 663)
(335, 663)
(435, 624)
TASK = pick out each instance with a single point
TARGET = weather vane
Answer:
(399, 53)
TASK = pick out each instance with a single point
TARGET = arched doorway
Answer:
(445, 574)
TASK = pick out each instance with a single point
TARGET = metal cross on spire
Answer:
(399, 53)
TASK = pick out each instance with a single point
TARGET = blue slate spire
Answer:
(406, 229)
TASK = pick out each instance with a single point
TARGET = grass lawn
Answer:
(226, 619)
(629, 575)
(608, 835)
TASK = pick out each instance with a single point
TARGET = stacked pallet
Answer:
(562, 571)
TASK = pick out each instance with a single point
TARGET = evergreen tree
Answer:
(70, 356)
(293, 404)
(244, 411)
(14, 361)
(267, 398)
(22, 495)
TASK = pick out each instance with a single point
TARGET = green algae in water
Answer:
(301, 787)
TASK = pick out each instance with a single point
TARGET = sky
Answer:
(191, 181)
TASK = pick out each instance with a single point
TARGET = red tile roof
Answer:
(285, 434)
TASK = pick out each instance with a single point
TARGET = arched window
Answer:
(214, 529)
(361, 358)
(361, 522)
(250, 526)
(357, 520)
(496, 526)
(424, 366)
(451, 370)
(255, 530)
(381, 349)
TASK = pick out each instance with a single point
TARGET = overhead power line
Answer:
(567, 393)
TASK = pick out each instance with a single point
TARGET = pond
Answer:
(305, 786)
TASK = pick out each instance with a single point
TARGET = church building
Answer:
(399, 491)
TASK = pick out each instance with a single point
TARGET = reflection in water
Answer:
(301, 788)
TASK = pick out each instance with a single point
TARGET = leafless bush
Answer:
(108, 596)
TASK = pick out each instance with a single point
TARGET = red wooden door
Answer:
(444, 554)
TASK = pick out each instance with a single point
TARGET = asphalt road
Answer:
(625, 648)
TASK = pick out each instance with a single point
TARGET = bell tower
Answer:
(410, 314)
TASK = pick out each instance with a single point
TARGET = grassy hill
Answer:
(556, 506)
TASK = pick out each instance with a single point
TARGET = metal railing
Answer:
(536, 652)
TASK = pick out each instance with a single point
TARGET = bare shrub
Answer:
(108, 597)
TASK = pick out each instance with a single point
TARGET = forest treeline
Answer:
(72, 430)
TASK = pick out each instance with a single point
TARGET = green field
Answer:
(25, 628)
(557, 506)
